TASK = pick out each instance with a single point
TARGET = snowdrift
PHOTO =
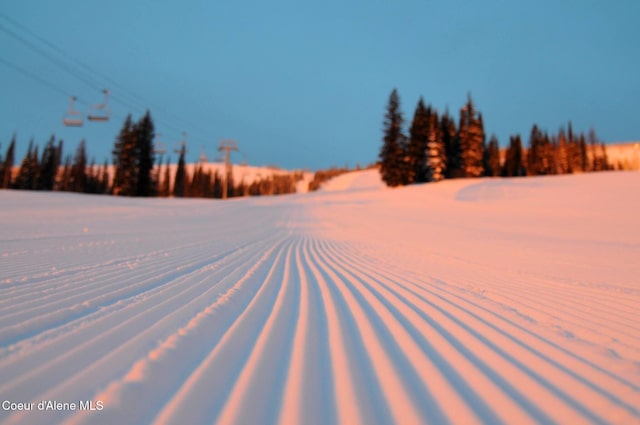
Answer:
(467, 301)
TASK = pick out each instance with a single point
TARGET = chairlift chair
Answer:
(159, 146)
(100, 112)
(72, 118)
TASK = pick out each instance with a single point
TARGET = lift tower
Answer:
(227, 146)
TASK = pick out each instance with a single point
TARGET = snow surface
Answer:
(499, 301)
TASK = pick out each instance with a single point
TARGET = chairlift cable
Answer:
(73, 72)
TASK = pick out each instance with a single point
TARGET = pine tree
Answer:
(93, 178)
(451, 146)
(217, 185)
(145, 184)
(104, 178)
(562, 154)
(584, 159)
(393, 167)
(180, 182)
(49, 165)
(418, 141)
(491, 158)
(598, 153)
(78, 182)
(535, 152)
(29, 169)
(65, 180)
(436, 155)
(514, 163)
(7, 168)
(165, 188)
(471, 138)
(125, 160)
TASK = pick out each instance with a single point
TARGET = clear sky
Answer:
(305, 85)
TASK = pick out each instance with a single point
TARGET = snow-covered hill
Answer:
(498, 301)
(624, 155)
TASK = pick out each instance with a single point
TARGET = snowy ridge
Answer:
(472, 301)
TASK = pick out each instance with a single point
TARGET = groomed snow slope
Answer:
(510, 301)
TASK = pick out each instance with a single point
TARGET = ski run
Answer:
(475, 301)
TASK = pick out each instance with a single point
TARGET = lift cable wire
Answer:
(94, 85)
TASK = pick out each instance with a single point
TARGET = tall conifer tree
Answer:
(146, 185)
(125, 161)
(451, 146)
(418, 140)
(471, 137)
(49, 165)
(492, 158)
(7, 168)
(79, 169)
(436, 154)
(393, 166)
(514, 161)
(180, 182)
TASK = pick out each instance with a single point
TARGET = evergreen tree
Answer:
(104, 178)
(165, 188)
(514, 163)
(436, 154)
(418, 141)
(28, 174)
(584, 159)
(180, 182)
(231, 187)
(535, 154)
(471, 139)
(393, 167)
(217, 185)
(49, 165)
(7, 168)
(491, 159)
(65, 180)
(562, 155)
(451, 146)
(598, 153)
(93, 178)
(78, 181)
(145, 184)
(604, 158)
(125, 160)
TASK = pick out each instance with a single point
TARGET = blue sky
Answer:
(305, 85)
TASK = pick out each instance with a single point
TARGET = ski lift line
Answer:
(74, 74)
(141, 104)
(63, 66)
(60, 90)
(50, 58)
(68, 56)
(78, 63)
(34, 77)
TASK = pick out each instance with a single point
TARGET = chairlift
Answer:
(100, 112)
(159, 147)
(73, 118)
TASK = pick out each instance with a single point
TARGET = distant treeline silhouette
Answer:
(436, 148)
(134, 169)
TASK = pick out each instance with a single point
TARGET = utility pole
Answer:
(227, 146)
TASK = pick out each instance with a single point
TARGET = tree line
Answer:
(135, 172)
(436, 148)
